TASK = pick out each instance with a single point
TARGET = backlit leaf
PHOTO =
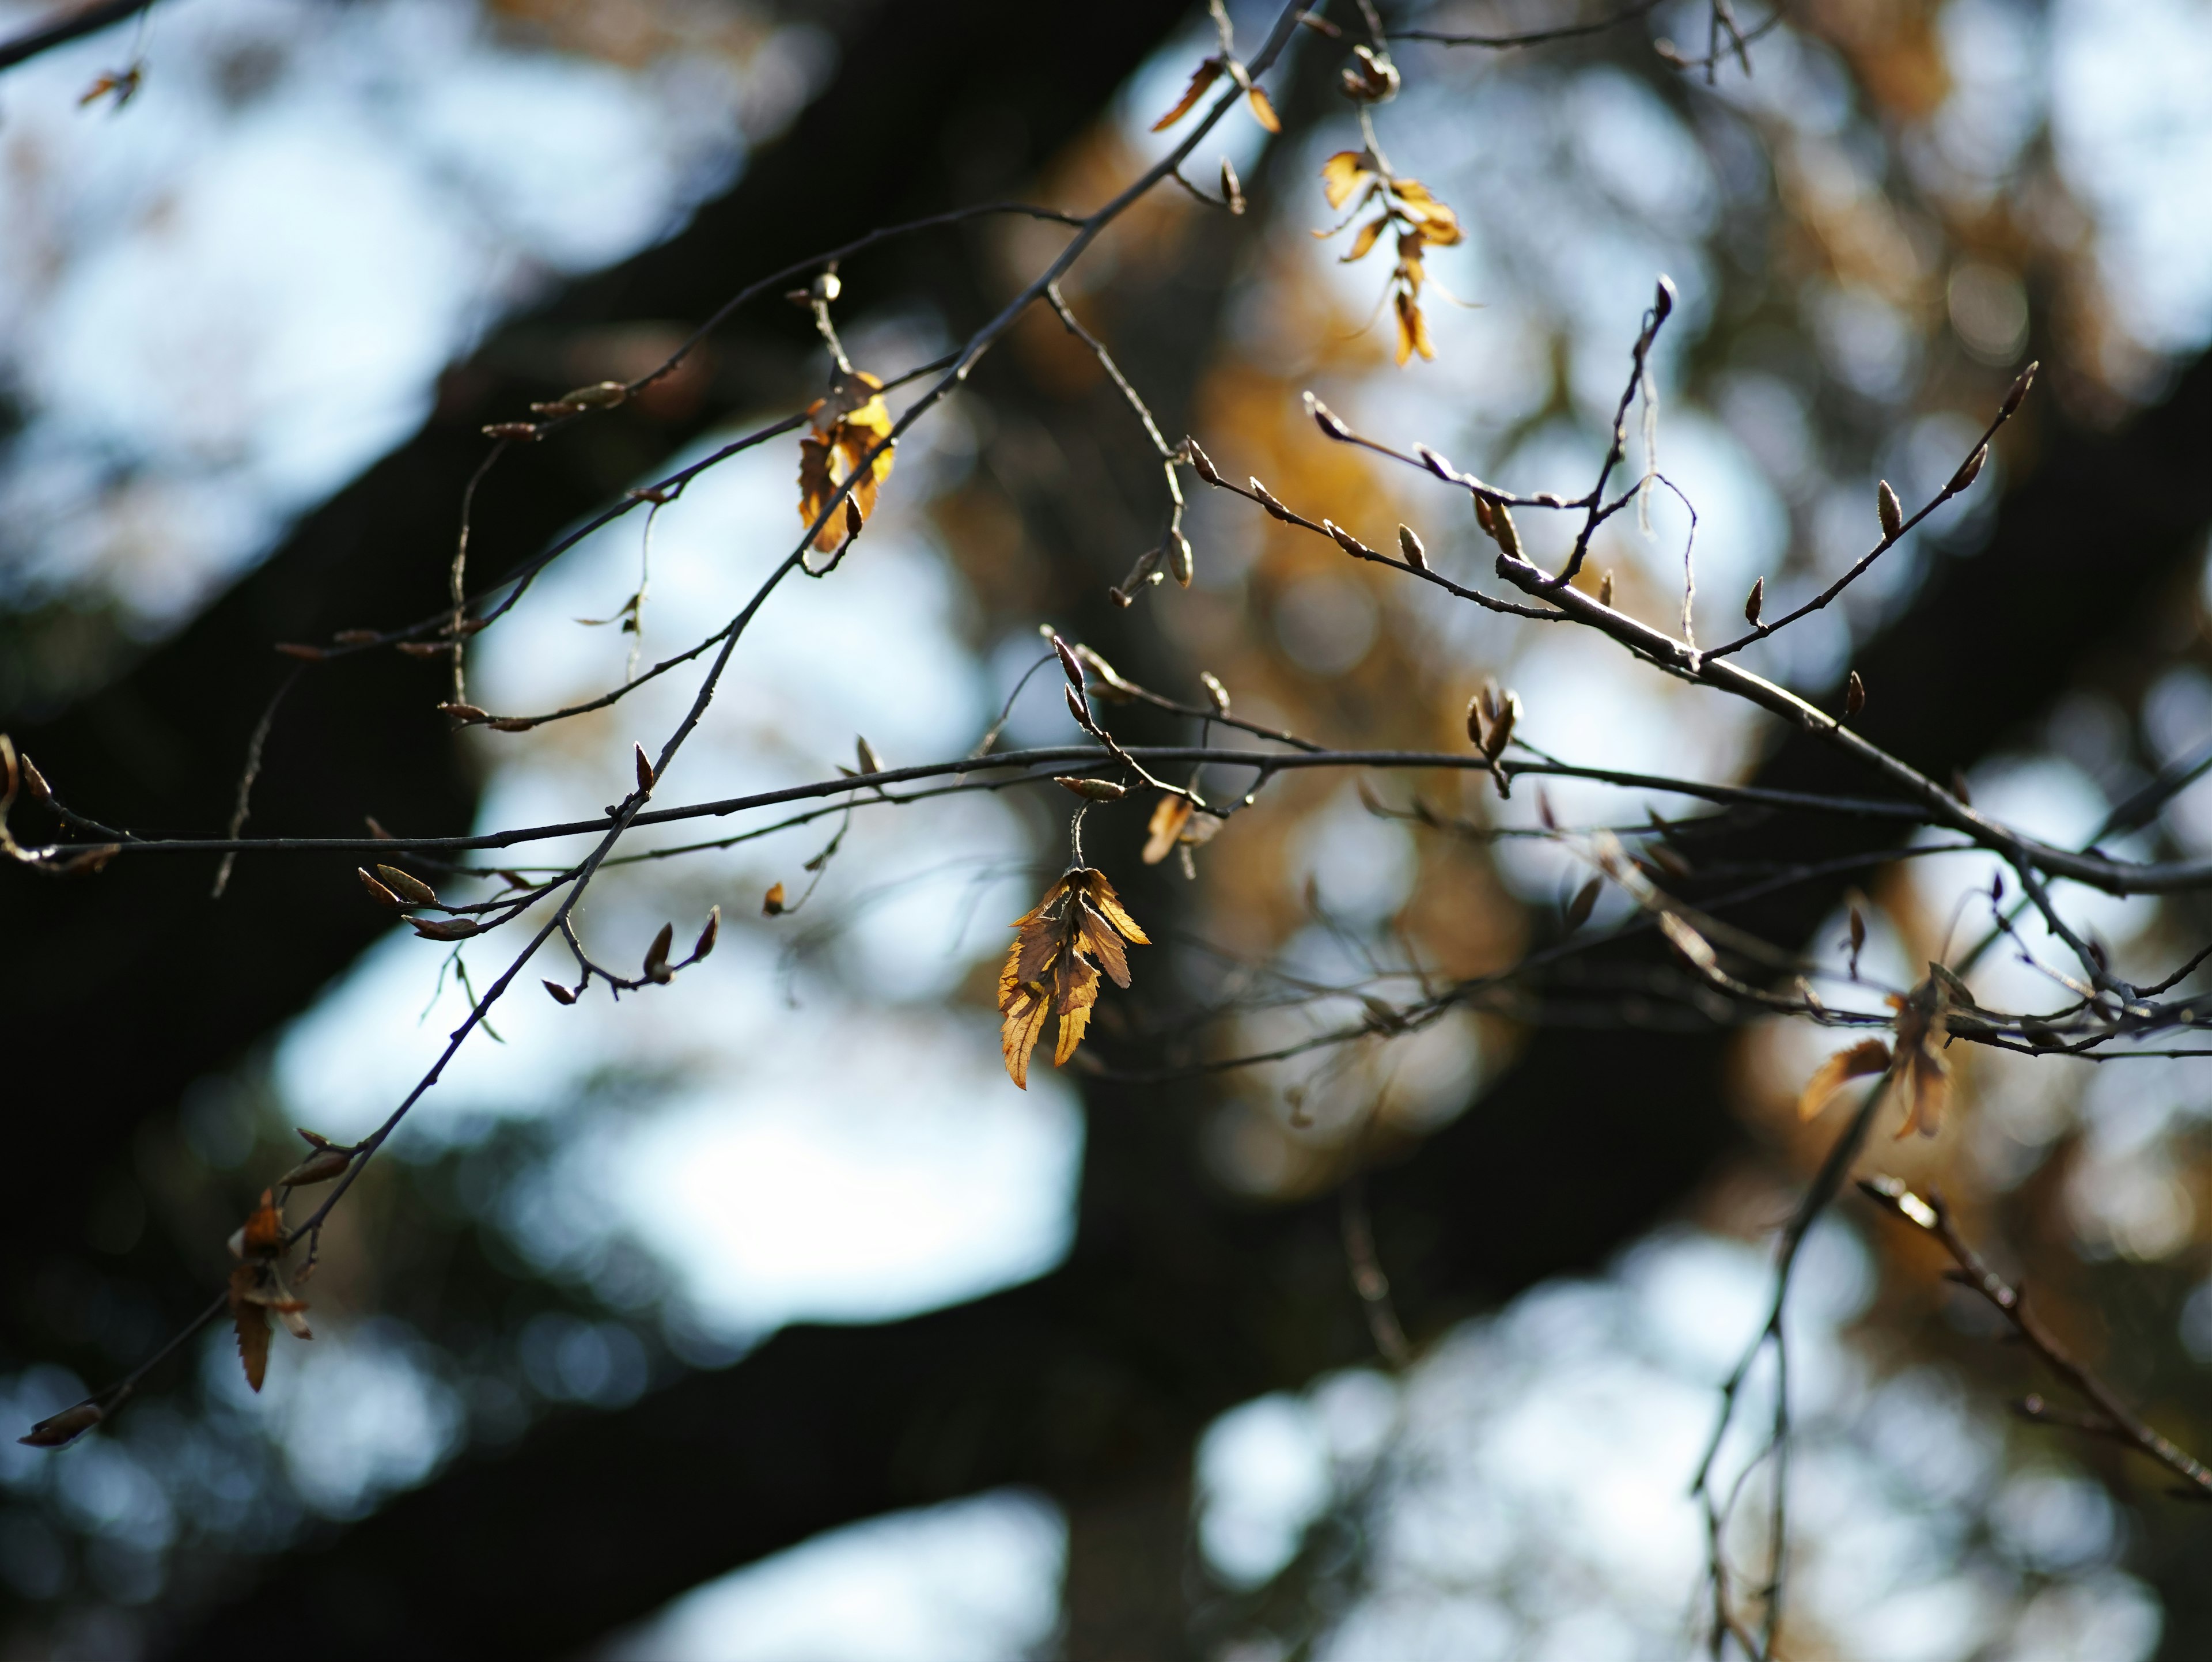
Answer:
(1868, 1055)
(1202, 77)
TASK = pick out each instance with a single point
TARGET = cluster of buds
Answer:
(1491, 715)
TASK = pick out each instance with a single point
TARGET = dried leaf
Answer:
(1439, 226)
(1053, 968)
(377, 892)
(1579, 908)
(771, 902)
(1922, 1026)
(1262, 110)
(1868, 1055)
(250, 1320)
(1202, 77)
(264, 1232)
(1168, 818)
(1412, 330)
(848, 422)
(1344, 173)
(656, 957)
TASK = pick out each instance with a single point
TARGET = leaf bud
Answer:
(870, 762)
(825, 288)
(1201, 464)
(524, 430)
(1107, 680)
(1757, 598)
(708, 935)
(465, 712)
(772, 903)
(1474, 722)
(34, 781)
(1091, 790)
(1486, 516)
(1501, 728)
(319, 1167)
(1267, 502)
(1344, 540)
(644, 768)
(1969, 470)
(1179, 559)
(1410, 545)
(312, 654)
(1890, 510)
(1854, 695)
(412, 890)
(1959, 787)
(1605, 588)
(423, 649)
(599, 395)
(2019, 391)
(377, 892)
(356, 638)
(1585, 900)
(449, 928)
(1233, 189)
(9, 773)
(656, 957)
(1214, 690)
(1068, 666)
(560, 995)
(1663, 299)
(1079, 708)
(1503, 531)
(60, 1430)
(511, 724)
(1331, 425)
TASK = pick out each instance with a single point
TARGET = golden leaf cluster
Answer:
(1050, 969)
(1405, 206)
(1917, 1070)
(1204, 76)
(848, 422)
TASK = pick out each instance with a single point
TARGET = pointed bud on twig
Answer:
(319, 1167)
(771, 902)
(1891, 511)
(1344, 540)
(1959, 788)
(1437, 464)
(708, 935)
(870, 762)
(377, 892)
(2018, 391)
(9, 773)
(1503, 530)
(1107, 682)
(511, 724)
(356, 638)
(1091, 790)
(1854, 695)
(1410, 545)
(1501, 728)
(560, 995)
(34, 781)
(1757, 598)
(644, 769)
(1068, 666)
(375, 829)
(312, 654)
(1079, 708)
(1969, 470)
(1544, 815)
(656, 957)
(1268, 501)
(445, 929)
(1180, 563)
(1486, 516)
(1233, 189)
(1662, 301)
(412, 890)
(65, 1427)
(465, 712)
(1215, 690)
(1331, 425)
(1201, 464)
(1585, 900)
(1605, 588)
(1474, 722)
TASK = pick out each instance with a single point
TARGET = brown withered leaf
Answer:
(1166, 828)
(1923, 1018)
(1054, 966)
(1361, 244)
(1412, 330)
(1201, 78)
(848, 422)
(250, 1319)
(264, 1228)
(1868, 1055)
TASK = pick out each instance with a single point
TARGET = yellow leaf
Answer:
(1049, 968)
(1365, 240)
(1101, 895)
(1343, 174)
(1868, 1055)
(848, 423)
(1412, 331)
(1202, 77)
(1166, 829)
(1262, 110)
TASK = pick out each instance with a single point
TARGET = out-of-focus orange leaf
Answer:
(1262, 110)
(1202, 77)
(1343, 174)
(264, 1228)
(1166, 828)
(1050, 969)
(848, 422)
(1923, 1018)
(1439, 225)
(1412, 330)
(1364, 241)
(1868, 1055)
(250, 1319)
(123, 84)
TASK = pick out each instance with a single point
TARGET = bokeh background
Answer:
(761, 1318)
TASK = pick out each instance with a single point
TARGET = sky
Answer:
(220, 302)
